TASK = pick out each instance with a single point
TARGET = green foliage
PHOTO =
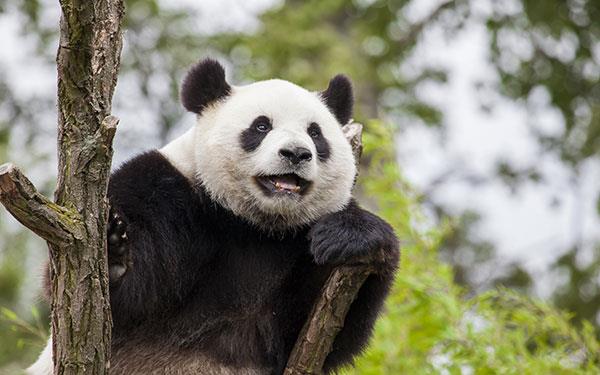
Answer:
(35, 328)
(22, 329)
(22, 338)
(430, 325)
(581, 294)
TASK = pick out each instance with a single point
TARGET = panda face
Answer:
(271, 152)
(274, 154)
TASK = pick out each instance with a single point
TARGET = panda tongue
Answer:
(287, 182)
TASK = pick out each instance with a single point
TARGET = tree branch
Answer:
(327, 316)
(45, 218)
(48, 220)
(326, 319)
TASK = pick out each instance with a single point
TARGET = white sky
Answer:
(524, 226)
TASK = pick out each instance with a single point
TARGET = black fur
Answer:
(338, 97)
(321, 144)
(203, 85)
(295, 155)
(202, 283)
(361, 231)
(118, 256)
(252, 137)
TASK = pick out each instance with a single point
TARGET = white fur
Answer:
(180, 152)
(216, 159)
(44, 364)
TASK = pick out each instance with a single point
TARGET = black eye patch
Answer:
(323, 149)
(252, 137)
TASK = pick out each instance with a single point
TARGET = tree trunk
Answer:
(75, 226)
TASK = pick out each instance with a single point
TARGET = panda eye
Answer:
(262, 124)
(314, 131)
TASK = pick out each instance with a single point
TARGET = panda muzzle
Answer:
(285, 183)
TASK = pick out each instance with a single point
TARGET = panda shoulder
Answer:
(147, 183)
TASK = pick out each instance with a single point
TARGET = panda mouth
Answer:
(287, 184)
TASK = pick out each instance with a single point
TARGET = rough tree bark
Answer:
(75, 225)
(327, 316)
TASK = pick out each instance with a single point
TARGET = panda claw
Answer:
(120, 225)
(113, 239)
(118, 257)
(120, 250)
(116, 271)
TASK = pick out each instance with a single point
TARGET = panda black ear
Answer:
(338, 97)
(204, 84)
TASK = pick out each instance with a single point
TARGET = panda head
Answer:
(271, 152)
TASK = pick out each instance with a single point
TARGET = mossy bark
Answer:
(88, 62)
(75, 224)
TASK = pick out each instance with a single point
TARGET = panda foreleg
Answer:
(119, 257)
(355, 235)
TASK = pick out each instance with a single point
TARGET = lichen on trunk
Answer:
(75, 224)
(88, 62)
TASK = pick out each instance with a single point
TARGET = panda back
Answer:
(149, 184)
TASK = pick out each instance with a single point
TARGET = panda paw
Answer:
(119, 260)
(354, 236)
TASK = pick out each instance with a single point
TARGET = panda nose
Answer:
(296, 155)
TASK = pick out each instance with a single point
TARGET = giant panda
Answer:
(220, 242)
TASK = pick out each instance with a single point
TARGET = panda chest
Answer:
(251, 273)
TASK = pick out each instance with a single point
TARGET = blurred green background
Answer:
(473, 110)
